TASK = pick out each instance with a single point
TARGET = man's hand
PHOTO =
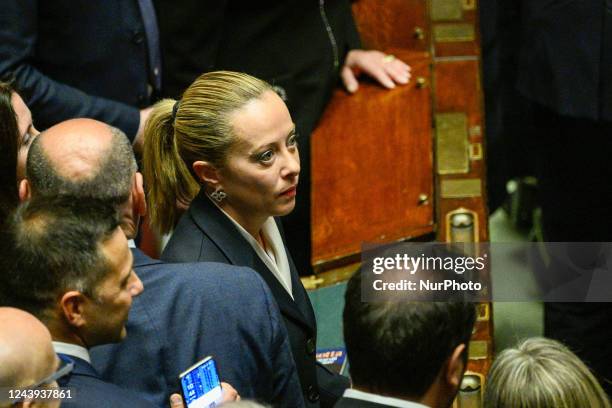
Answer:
(386, 69)
(138, 143)
(229, 395)
(176, 401)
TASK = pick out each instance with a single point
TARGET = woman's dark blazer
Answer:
(204, 233)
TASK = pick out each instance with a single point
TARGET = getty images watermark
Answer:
(482, 272)
(433, 265)
(425, 272)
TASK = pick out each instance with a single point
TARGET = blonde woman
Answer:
(229, 148)
(542, 373)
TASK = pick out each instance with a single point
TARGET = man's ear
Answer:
(73, 308)
(456, 367)
(207, 173)
(138, 195)
(25, 192)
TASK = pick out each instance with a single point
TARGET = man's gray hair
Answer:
(111, 182)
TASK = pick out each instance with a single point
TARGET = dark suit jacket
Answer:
(566, 55)
(91, 391)
(190, 311)
(204, 233)
(77, 58)
(357, 403)
(284, 42)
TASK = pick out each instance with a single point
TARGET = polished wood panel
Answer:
(372, 161)
(401, 24)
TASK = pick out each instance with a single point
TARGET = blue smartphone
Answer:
(201, 385)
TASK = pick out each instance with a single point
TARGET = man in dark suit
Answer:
(404, 354)
(67, 263)
(83, 58)
(188, 311)
(564, 70)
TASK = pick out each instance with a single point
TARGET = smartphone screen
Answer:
(201, 385)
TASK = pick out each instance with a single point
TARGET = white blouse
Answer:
(274, 256)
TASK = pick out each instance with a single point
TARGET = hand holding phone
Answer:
(229, 393)
(201, 385)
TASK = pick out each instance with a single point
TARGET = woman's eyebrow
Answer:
(292, 131)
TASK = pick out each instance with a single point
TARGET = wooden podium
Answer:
(408, 163)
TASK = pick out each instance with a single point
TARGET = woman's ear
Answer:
(206, 173)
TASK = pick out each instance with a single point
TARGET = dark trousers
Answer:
(575, 184)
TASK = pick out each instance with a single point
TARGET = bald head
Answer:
(82, 158)
(26, 351)
(76, 148)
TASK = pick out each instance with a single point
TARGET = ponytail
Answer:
(167, 179)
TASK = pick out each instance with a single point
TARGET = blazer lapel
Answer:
(220, 230)
(300, 295)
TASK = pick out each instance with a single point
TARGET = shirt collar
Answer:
(131, 243)
(73, 350)
(379, 399)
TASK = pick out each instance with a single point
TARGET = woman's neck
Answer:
(251, 223)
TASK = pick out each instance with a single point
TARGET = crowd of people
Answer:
(223, 164)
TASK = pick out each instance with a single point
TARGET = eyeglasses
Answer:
(65, 368)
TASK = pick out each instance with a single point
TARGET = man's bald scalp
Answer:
(26, 353)
(82, 158)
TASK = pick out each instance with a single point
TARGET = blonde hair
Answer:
(542, 373)
(198, 128)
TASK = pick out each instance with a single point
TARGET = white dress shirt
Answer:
(379, 399)
(73, 350)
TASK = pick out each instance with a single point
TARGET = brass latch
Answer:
(419, 33)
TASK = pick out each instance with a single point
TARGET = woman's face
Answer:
(261, 172)
(27, 133)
